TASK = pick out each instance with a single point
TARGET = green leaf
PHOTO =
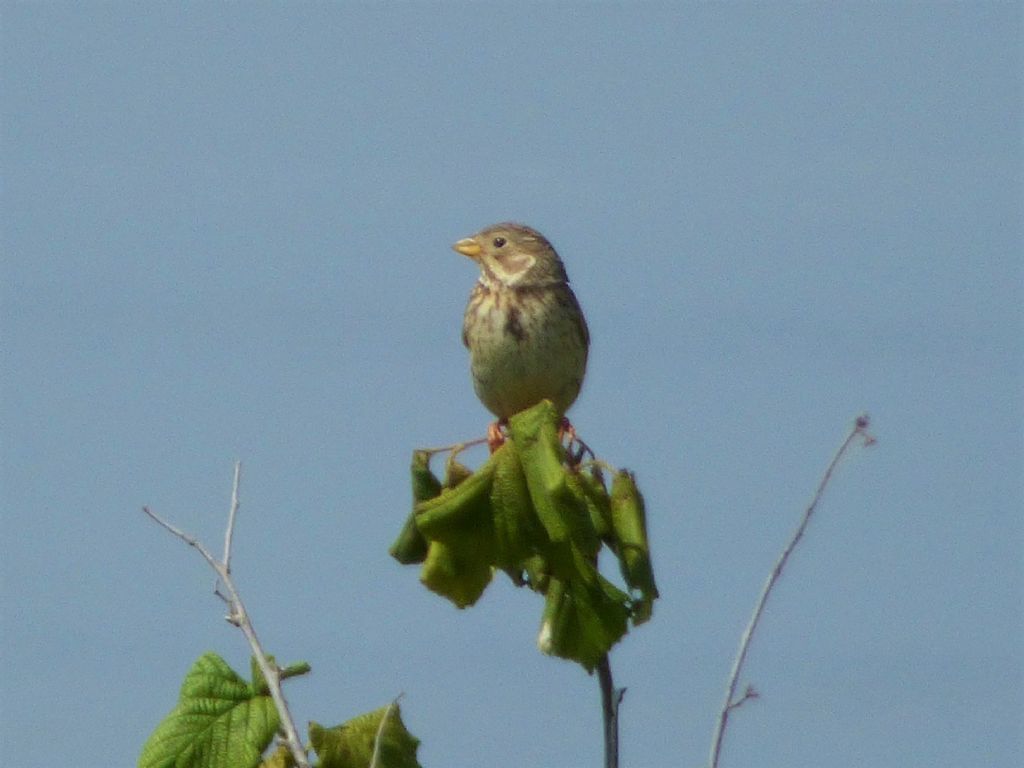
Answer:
(279, 758)
(411, 546)
(588, 484)
(460, 528)
(525, 511)
(351, 745)
(535, 434)
(295, 670)
(259, 682)
(424, 484)
(538, 573)
(584, 614)
(583, 618)
(454, 569)
(563, 513)
(220, 721)
(461, 506)
(455, 472)
(629, 523)
(518, 532)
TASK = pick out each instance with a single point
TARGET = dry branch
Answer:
(731, 701)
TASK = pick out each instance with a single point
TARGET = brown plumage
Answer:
(523, 326)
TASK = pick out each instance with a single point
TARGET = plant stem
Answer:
(611, 697)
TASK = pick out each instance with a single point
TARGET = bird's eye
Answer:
(499, 242)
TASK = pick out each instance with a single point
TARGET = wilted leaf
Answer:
(460, 528)
(461, 506)
(411, 546)
(629, 523)
(518, 532)
(589, 485)
(582, 619)
(279, 758)
(456, 569)
(526, 512)
(424, 484)
(563, 513)
(352, 744)
(455, 472)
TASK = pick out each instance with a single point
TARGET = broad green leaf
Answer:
(352, 744)
(220, 721)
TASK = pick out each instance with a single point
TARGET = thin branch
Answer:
(230, 530)
(575, 448)
(611, 697)
(240, 618)
(731, 702)
(375, 760)
(271, 672)
(456, 448)
(190, 540)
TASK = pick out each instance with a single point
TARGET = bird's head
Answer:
(513, 255)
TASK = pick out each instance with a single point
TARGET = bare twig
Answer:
(190, 540)
(611, 697)
(455, 448)
(748, 694)
(238, 616)
(731, 702)
(230, 530)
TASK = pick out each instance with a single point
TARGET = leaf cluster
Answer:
(222, 721)
(542, 519)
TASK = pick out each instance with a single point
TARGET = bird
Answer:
(523, 326)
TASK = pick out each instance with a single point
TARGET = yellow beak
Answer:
(468, 247)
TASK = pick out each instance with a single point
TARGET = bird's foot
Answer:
(495, 435)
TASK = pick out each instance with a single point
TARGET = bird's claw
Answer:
(495, 436)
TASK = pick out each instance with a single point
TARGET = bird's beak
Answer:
(468, 247)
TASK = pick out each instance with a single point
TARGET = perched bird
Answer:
(524, 329)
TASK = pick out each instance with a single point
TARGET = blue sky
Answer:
(226, 234)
